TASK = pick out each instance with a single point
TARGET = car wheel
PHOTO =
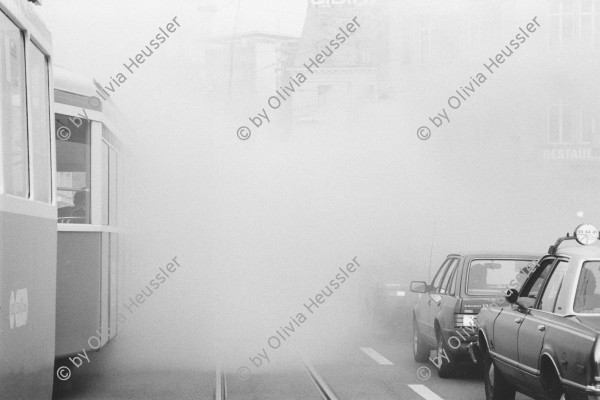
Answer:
(420, 350)
(496, 387)
(556, 391)
(444, 360)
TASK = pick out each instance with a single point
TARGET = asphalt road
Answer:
(379, 366)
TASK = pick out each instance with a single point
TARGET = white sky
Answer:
(93, 37)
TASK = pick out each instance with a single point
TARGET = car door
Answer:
(430, 302)
(444, 301)
(533, 328)
(508, 323)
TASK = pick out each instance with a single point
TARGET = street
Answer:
(379, 366)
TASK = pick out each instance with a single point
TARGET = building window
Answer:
(560, 124)
(73, 169)
(569, 124)
(324, 93)
(40, 128)
(14, 176)
(574, 24)
(365, 52)
(425, 34)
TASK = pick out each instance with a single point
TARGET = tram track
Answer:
(220, 385)
(324, 391)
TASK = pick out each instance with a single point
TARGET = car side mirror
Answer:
(419, 287)
(512, 295)
(525, 303)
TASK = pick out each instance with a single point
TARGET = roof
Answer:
(78, 85)
(72, 82)
(254, 34)
(573, 249)
(25, 14)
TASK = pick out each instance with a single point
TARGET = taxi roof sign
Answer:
(586, 234)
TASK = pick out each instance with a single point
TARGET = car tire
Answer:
(496, 387)
(559, 393)
(556, 391)
(420, 349)
(444, 359)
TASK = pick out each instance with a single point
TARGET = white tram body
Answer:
(91, 168)
(28, 229)
(62, 198)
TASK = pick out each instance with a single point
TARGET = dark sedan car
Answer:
(444, 316)
(546, 344)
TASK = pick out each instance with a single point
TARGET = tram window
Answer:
(40, 127)
(13, 110)
(73, 169)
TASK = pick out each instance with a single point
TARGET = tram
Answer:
(91, 166)
(62, 197)
(28, 229)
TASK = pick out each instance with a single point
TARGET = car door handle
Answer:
(541, 328)
(518, 320)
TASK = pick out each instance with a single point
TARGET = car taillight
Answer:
(458, 306)
(597, 364)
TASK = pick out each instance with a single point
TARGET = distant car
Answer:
(444, 316)
(546, 344)
(392, 303)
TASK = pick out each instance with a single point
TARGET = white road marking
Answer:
(425, 392)
(376, 356)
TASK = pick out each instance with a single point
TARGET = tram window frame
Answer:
(68, 129)
(15, 177)
(104, 200)
(113, 186)
(40, 133)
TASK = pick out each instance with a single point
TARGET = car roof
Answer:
(496, 254)
(578, 250)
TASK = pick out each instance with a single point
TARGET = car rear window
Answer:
(492, 276)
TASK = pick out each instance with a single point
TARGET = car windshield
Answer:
(494, 276)
(587, 296)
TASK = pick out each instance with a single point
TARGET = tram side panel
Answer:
(78, 291)
(27, 276)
